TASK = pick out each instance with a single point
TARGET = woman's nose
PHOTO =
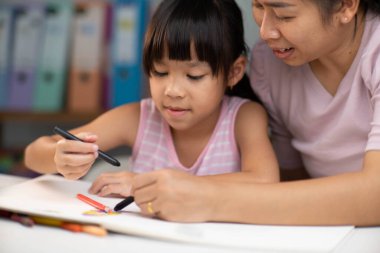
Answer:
(268, 29)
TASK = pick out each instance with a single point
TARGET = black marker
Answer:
(127, 201)
(102, 155)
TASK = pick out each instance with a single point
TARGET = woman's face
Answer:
(295, 31)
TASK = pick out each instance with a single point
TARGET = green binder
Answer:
(50, 88)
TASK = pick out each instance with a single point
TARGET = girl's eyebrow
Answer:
(159, 62)
(193, 64)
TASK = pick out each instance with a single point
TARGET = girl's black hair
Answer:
(214, 27)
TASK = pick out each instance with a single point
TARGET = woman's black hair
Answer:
(371, 5)
(214, 27)
(328, 7)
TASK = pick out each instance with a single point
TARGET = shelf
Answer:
(40, 116)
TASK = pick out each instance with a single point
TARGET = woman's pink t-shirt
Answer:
(311, 128)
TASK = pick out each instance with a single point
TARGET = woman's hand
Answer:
(73, 159)
(116, 183)
(174, 195)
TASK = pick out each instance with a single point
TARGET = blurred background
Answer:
(64, 62)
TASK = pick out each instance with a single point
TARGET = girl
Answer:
(317, 72)
(188, 124)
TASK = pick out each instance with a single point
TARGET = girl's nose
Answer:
(174, 90)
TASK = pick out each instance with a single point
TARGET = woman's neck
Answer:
(332, 68)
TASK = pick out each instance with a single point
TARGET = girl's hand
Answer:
(118, 183)
(73, 159)
(174, 195)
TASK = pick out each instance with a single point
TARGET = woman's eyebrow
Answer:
(276, 4)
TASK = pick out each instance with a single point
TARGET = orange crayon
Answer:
(94, 203)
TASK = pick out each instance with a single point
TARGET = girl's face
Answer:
(186, 93)
(295, 32)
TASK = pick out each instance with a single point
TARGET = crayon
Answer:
(70, 226)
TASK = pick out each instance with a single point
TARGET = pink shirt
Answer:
(326, 134)
(154, 148)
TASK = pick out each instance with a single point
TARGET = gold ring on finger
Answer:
(149, 208)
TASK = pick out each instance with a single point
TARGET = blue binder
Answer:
(129, 23)
(5, 49)
(28, 30)
(49, 92)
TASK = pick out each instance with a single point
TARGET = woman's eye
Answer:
(195, 78)
(257, 6)
(284, 18)
(159, 73)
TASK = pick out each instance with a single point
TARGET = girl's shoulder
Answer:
(251, 113)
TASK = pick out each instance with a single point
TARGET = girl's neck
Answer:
(190, 143)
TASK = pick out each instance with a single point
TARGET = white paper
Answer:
(55, 197)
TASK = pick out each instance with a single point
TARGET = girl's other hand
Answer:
(115, 183)
(73, 159)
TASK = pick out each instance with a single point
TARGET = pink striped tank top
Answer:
(154, 148)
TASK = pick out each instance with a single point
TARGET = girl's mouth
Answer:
(176, 111)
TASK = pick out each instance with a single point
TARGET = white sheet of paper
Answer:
(55, 197)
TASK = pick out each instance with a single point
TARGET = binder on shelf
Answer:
(49, 92)
(85, 85)
(5, 49)
(130, 17)
(28, 30)
(106, 104)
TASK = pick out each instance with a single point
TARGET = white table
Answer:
(38, 239)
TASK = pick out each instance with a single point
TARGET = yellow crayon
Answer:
(73, 227)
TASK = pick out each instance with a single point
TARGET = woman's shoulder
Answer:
(370, 53)
(372, 31)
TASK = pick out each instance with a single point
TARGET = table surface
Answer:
(17, 238)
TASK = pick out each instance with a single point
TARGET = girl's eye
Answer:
(159, 74)
(195, 78)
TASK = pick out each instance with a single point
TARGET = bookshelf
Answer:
(17, 129)
(74, 41)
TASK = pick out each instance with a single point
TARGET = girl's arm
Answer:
(258, 160)
(346, 199)
(52, 154)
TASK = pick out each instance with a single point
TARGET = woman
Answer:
(317, 73)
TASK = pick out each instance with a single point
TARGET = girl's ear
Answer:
(348, 10)
(237, 71)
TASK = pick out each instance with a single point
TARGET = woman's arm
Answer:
(346, 199)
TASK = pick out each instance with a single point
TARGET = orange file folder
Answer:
(85, 83)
